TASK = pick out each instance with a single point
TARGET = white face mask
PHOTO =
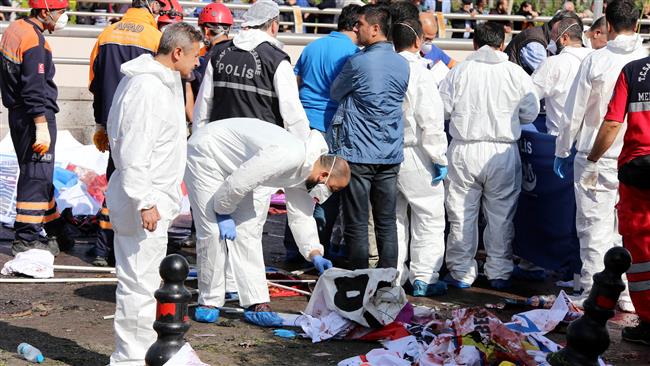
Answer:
(321, 192)
(61, 22)
(426, 47)
(552, 47)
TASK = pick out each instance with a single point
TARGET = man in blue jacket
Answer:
(368, 131)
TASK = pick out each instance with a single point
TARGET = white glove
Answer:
(589, 177)
(42, 142)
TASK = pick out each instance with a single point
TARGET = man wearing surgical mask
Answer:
(227, 161)
(29, 93)
(555, 75)
(134, 35)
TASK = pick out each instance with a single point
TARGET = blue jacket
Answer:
(368, 127)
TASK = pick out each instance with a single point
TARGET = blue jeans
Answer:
(374, 184)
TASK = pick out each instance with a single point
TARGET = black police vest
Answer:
(243, 82)
(535, 34)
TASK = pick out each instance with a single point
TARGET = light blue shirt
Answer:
(319, 64)
(532, 55)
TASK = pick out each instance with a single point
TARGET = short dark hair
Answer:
(348, 18)
(525, 4)
(622, 15)
(571, 28)
(405, 33)
(562, 15)
(377, 15)
(177, 35)
(599, 23)
(401, 10)
(490, 33)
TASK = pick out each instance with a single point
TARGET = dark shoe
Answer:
(638, 334)
(63, 242)
(19, 246)
(100, 262)
(53, 246)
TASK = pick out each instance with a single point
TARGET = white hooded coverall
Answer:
(487, 98)
(227, 161)
(147, 131)
(553, 79)
(425, 143)
(586, 106)
(294, 119)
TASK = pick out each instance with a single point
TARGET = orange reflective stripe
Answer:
(51, 217)
(104, 211)
(52, 204)
(17, 39)
(29, 219)
(32, 205)
(105, 225)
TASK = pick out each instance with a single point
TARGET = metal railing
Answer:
(297, 13)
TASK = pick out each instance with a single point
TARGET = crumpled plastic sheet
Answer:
(401, 352)
(364, 296)
(37, 263)
(544, 320)
(474, 336)
(330, 326)
(186, 356)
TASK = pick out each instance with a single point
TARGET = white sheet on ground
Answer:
(37, 263)
(186, 356)
(355, 295)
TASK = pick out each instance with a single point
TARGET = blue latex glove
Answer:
(227, 228)
(440, 172)
(263, 318)
(321, 263)
(285, 333)
(560, 166)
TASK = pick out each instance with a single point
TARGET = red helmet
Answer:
(170, 13)
(48, 4)
(216, 13)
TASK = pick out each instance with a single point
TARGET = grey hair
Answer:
(179, 35)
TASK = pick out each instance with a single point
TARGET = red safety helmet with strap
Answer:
(216, 13)
(48, 4)
(171, 12)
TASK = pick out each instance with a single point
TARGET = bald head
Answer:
(429, 25)
(331, 169)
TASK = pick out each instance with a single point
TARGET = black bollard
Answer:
(587, 337)
(172, 320)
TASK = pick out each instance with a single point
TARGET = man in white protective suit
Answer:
(487, 98)
(147, 132)
(227, 161)
(268, 91)
(419, 180)
(596, 184)
(554, 76)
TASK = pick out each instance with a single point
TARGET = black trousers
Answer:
(104, 244)
(375, 184)
(35, 204)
